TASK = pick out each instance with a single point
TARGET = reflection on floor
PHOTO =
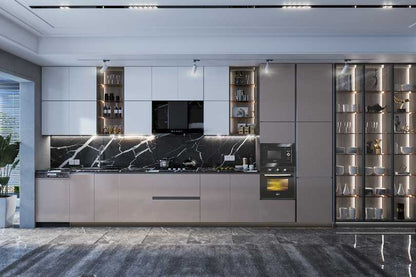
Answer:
(192, 251)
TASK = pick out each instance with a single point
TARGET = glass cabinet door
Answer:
(377, 170)
(348, 161)
(404, 141)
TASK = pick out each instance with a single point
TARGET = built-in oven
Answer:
(277, 186)
(277, 168)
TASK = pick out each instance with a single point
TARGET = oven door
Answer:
(277, 186)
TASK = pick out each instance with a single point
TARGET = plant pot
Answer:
(7, 210)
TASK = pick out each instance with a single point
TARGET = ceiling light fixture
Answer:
(195, 66)
(64, 7)
(143, 7)
(105, 66)
(297, 7)
(267, 67)
(346, 66)
(387, 7)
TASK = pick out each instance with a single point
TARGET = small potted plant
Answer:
(8, 161)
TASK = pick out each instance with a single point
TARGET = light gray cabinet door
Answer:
(277, 93)
(81, 198)
(137, 83)
(277, 211)
(277, 132)
(215, 198)
(83, 83)
(314, 201)
(138, 117)
(164, 83)
(55, 117)
(244, 198)
(314, 149)
(52, 200)
(106, 197)
(82, 118)
(314, 92)
(216, 83)
(135, 198)
(216, 114)
(55, 83)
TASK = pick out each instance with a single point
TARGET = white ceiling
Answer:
(57, 36)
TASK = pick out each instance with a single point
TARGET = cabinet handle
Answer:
(176, 198)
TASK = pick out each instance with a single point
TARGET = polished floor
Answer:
(213, 251)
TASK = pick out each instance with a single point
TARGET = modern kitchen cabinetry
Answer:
(215, 198)
(277, 132)
(277, 211)
(52, 200)
(214, 114)
(81, 118)
(137, 83)
(177, 83)
(314, 200)
(244, 198)
(277, 97)
(81, 198)
(55, 117)
(314, 143)
(68, 100)
(55, 83)
(216, 83)
(106, 197)
(314, 92)
(135, 198)
(82, 83)
(137, 117)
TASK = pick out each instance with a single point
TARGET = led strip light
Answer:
(290, 7)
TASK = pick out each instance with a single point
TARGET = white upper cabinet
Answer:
(55, 83)
(82, 83)
(82, 118)
(138, 117)
(137, 83)
(216, 114)
(216, 83)
(55, 117)
(164, 83)
(190, 84)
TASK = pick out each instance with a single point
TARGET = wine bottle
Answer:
(116, 110)
(105, 111)
(120, 112)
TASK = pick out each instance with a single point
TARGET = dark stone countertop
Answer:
(66, 172)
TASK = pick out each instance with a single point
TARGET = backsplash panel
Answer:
(146, 151)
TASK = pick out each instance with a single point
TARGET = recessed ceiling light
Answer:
(387, 7)
(297, 7)
(64, 7)
(143, 7)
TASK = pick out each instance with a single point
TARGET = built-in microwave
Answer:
(178, 116)
(276, 156)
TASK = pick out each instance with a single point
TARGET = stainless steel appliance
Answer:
(277, 168)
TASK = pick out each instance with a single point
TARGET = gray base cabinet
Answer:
(135, 198)
(81, 198)
(106, 197)
(314, 198)
(215, 198)
(52, 200)
(244, 198)
(278, 211)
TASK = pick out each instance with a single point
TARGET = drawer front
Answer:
(176, 185)
(178, 210)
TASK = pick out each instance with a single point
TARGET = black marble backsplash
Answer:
(146, 151)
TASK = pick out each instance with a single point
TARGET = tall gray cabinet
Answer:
(314, 143)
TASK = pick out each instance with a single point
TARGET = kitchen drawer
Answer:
(176, 185)
(165, 210)
(276, 211)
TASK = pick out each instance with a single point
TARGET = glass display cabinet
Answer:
(243, 101)
(374, 143)
(110, 101)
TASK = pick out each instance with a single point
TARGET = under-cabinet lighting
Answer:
(297, 7)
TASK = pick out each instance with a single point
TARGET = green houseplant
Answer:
(8, 161)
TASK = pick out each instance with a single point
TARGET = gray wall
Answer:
(35, 148)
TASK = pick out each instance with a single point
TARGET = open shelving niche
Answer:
(110, 94)
(243, 101)
(389, 194)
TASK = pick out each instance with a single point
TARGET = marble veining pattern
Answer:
(205, 251)
(146, 151)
